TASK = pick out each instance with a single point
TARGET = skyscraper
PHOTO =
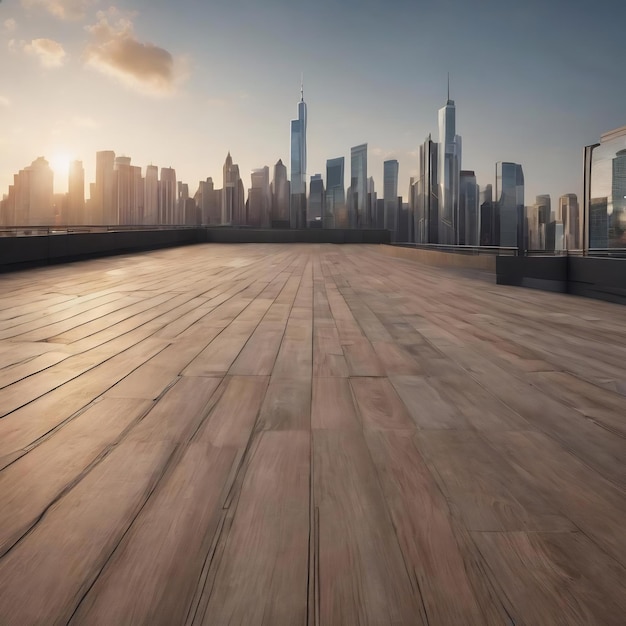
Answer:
(280, 196)
(510, 204)
(336, 211)
(569, 214)
(104, 204)
(31, 198)
(168, 193)
(76, 194)
(207, 199)
(357, 208)
(469, 218)
(390, 196)
(151, 195)
(426, 210)
(123, 194)
(449, 173)
(315, 209)
(298, 165)
(259, 198)
(233, 207)
(489, 227)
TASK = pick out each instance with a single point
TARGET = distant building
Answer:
(233, 206)
(426, 211)
(357, 205)
(207, 199)
(390, 196)
(76, 194)
(489, 228)
(168, 195)
(336, 209)
(317, 202)
(371, 202)
(104, 202)
(298, 166)
(469, 217)
(30, 201)
(449, 167)
(151, 195)
(569, 215)
(259, 198)
(510, 204)
(280, 189)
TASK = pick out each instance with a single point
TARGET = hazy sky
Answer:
(180, 83)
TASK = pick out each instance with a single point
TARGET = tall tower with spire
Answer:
(449, 167)
(297, 215)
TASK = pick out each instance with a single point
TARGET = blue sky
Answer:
(181, 83)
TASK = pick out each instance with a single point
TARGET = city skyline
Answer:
(215, 95)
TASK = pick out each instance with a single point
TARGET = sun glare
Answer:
(60, 164)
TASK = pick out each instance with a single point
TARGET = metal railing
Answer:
(38, 231)
(470, 250)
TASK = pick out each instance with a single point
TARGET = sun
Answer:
(60, 164)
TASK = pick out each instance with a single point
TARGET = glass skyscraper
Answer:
(510, 204)
(315, 209)
(449, 174)
(358, 208)
(390, 196)
(469, 218)
(605, 191)
(298, 166)
(336, 212)
(426, 209)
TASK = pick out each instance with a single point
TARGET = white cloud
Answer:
(116, 51)
(49, 52)
(63, 9)
(9, 25)
(4, 102)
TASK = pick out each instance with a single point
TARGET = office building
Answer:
(104, 202)
(357, 199)
(336, 209)
(426, 211)
(298, 166)
(233, 206)
(259, 199)
(316, 205)
(569, 215)
(151, 196)
(489, 227)
(469, 212)
(510, 204)
(280, 189)
(76, 194)
(207, 199)
(168, 195)
(449, 173)
(390, 196)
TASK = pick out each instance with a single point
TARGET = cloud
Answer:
(116, 51)
(63, 9)
(4, 102)
(49, 52)
(9, 25)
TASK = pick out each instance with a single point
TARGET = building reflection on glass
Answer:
(606, 194)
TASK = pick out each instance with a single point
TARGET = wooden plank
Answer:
(287, 405)
(379, 405)
(332, 405)
(152, 575)
(262, 576)
(362, 576)
(232, 419)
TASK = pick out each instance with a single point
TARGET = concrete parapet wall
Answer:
(438, 258)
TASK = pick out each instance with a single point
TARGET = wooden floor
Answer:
(295, 434)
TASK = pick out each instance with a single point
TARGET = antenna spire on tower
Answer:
(302, 87)
(448, 85)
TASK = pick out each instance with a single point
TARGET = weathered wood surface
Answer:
(259, 434)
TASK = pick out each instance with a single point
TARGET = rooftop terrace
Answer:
(307, 434)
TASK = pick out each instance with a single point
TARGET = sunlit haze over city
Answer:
(182, 83)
